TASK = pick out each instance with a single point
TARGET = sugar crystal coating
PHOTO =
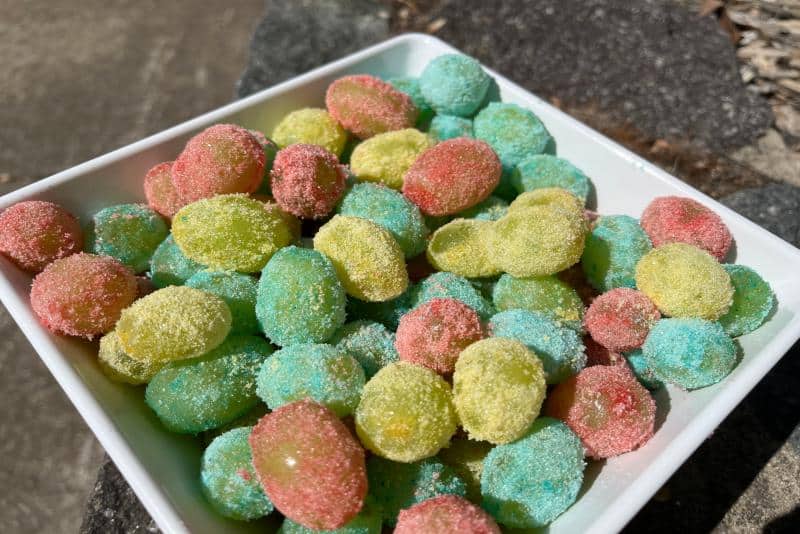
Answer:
(642, 370)
(160, 192)
(313, 126)
(532, 481)
(128, 232)
(546, 295)
(82, 295)
(446, 513)
(310, 465)
(466, 457)
(460, 247)
(367, 106)
(435, 333)
(169, 267)
(198, 394)
(685, 281)
(444, 127)
(173, 323)
(396, 486)
(406, 413)
(368, 521)
(498, 388)
(544, 170)
(307, 180)
(389, 209)
(613, 248)
(491, 209)
(607, 408)
(454, 84)
(369, 342)
(691, 353)
(753, 301)
(537, 240)
(320, 372)
(411, 86)
(367, 259)
(239, 293)
(684, 220)
(385, 157)
(452, 176)
(620, 319)
(230, 232)
(120, 367)
(35, 233)
(221, 159)
(449, 285)
(300, 298)
(228, 479)
(558, 347)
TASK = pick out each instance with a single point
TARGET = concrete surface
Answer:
(80, 78)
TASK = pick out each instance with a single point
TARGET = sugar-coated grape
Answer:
(546, 295)
(239, 293)
(613, 248)
(460, 247)
(169, 266)
(446, 513)
(313, 126)
(385, 158)
(367, 106)
(120, 367)
(369, 342)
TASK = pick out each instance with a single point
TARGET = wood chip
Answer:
(436, 25)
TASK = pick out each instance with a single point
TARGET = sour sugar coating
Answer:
(387, 313)
(228, 479)
(300, 298)
(128, 232)
(169, 267)
(82, 295)
(320, 372)
(406, 413)
(35, 233)
(368, 521)
(411, 86)
(532, 481)
(685, 281)
(544, 170)
(120, 367)
(435, 333)
(684, 220)
(310, 465)
(549, 196)
(307, 181)
(449, 285)
(691, 353)
(446, 513)
(491, 209)
(239, 293)
(270, 151)
(389, 209)
(396, 486)
(614, 246)
(465, 456)
(221, 159)
(385, 158)
(460, 247)
(513, 132)
(642, 370)
(203, 393)
(753, 301)
(607, 408)
(367, 106)
(452, 176)
(370, 343)
(173, 323)
(230, 232)
(159, 190)
(546, 295)
(620, 319)
(454, 84)
(367, 259)
(498, 389)
(294, 224)
(310, 126)
(537, 241)
(444, 127)
(559, 348)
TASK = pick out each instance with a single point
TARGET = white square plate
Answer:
(163, 468)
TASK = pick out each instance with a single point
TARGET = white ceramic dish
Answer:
(163, 468)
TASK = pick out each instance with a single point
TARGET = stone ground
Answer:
(140, 73)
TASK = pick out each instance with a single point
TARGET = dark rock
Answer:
(669, 72)
(776, 207)
(294, 37)
(114, 508)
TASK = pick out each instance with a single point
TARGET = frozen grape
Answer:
(169, 267)
(446, 513)
(613, 248)
(620, 319)
(460, 247)
(120, 367)
(311, 126)
(454, 84)
(385, 157)
(307, 181)
(546, 295)
(370, 343)
(753, 301)
(368, 106)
